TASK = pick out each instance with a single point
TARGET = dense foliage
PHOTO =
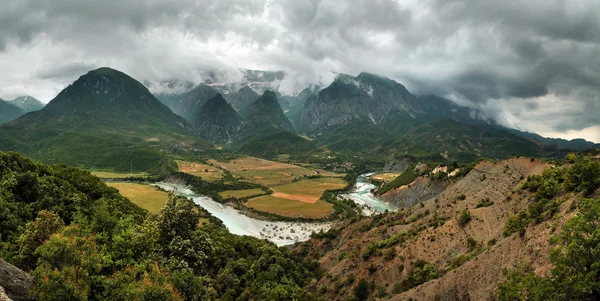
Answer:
(81, 240)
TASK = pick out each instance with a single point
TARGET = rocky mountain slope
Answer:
(217, 121)
(27, 103)
(453, 246)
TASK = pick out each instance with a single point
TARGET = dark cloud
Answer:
(529, 64)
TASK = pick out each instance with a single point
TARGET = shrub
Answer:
(464, 218)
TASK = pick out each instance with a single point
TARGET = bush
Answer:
(361, 290)
(461, 197)
(464, 218)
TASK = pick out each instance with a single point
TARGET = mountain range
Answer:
(12, 109)
(365, 115)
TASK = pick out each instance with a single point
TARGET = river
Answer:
(280, 233)
(362, 195)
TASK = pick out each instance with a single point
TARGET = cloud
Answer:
(528, 64)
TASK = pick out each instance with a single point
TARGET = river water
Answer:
(362, 195)
(280, 233)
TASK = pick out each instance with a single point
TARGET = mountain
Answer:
(446, 140)
(575, 144)
(366, 96)
(265, 113)
(242, 99)
(27, 103)
(267, 132)
(188, 104)
(9, 111)
(104, 120)
(217, 120)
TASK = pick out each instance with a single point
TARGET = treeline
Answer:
(82, 240)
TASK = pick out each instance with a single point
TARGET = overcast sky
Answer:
(533, 65)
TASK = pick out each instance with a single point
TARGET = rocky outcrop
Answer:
(420, 190)
(14, 283)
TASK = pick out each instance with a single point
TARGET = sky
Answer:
(532, 65)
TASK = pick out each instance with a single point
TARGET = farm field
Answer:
(265, 172)
(386, 177)
(290, 208)
(206, 172)
(326, 173)
(115, 175)
(240, 193)
(145, 196)
(308, 190)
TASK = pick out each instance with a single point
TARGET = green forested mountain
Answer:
(265, 113)
(447, 140)
(217, 120)
(188, 104)
(27, 103)
(9, 112)
(104, 120)
(82, 240)
(242, 99)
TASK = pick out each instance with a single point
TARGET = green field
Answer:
(290, 208)
(145, 196)
(206, 172)
(311, 187)
(265, 172)
(238, 194)
(116, 175)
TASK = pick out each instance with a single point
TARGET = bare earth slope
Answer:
(468, 258)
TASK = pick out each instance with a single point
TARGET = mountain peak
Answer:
(217, 120)
(27, 103)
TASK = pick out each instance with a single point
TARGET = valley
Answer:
(355, 191)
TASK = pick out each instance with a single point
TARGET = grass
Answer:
(311, 187)
(386, 176)
(145, 196)
(117, 175)
(290, 208)
(265, 172)
(238, 194)
(206, 172)
(326, 173)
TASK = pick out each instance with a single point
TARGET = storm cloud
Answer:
(532, 65)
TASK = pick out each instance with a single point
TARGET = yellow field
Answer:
(386, 177)
(240, 193)
(145, 196)
(206, 172)
(326, 173)
(290, 208)
(115, 175)
(262, 171)
(311, 188)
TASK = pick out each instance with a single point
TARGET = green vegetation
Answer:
(583, 176)
(575, 259)
(148, 197)
(82, 240)
(122, 129)
(484, 203)
(405, 178)
(464, 218)
(242, 194)
(422, 272)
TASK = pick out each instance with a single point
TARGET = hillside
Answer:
(9, 112)
(455, 246)
(188, 104)
(265, 114)
(27, 103)
(217, 121)
(104, 120)
(81, 240)
(445, 140)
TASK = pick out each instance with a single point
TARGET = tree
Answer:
(361, 290)
(36, 232)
